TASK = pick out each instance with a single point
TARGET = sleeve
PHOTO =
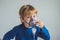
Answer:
(10, 35)
(43, 33)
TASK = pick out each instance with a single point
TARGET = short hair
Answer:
(25, 9)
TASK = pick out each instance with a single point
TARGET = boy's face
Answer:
(30, 17)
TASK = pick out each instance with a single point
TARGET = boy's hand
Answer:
(40, 24)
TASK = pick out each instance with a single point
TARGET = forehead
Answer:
(30, 13)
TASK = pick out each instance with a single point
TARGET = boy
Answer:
(30, 28)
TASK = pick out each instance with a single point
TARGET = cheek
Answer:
(27, 20)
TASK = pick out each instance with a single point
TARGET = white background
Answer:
(48, 12)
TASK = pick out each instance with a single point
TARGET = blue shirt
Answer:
(20, 32)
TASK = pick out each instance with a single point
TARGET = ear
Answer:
(21, 19)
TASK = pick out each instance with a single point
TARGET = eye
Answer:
(28, 17)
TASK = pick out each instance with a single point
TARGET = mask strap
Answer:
(26, 22)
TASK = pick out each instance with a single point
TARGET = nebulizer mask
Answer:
(32, 22)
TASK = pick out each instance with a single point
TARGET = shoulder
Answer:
(17, 27)
(14, 29)
(12, 32)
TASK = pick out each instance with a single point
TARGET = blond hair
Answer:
(25, 9)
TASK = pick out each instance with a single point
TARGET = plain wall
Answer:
(48, 12)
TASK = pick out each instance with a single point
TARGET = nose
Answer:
(32, 19)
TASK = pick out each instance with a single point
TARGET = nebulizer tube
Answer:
(34, 32)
